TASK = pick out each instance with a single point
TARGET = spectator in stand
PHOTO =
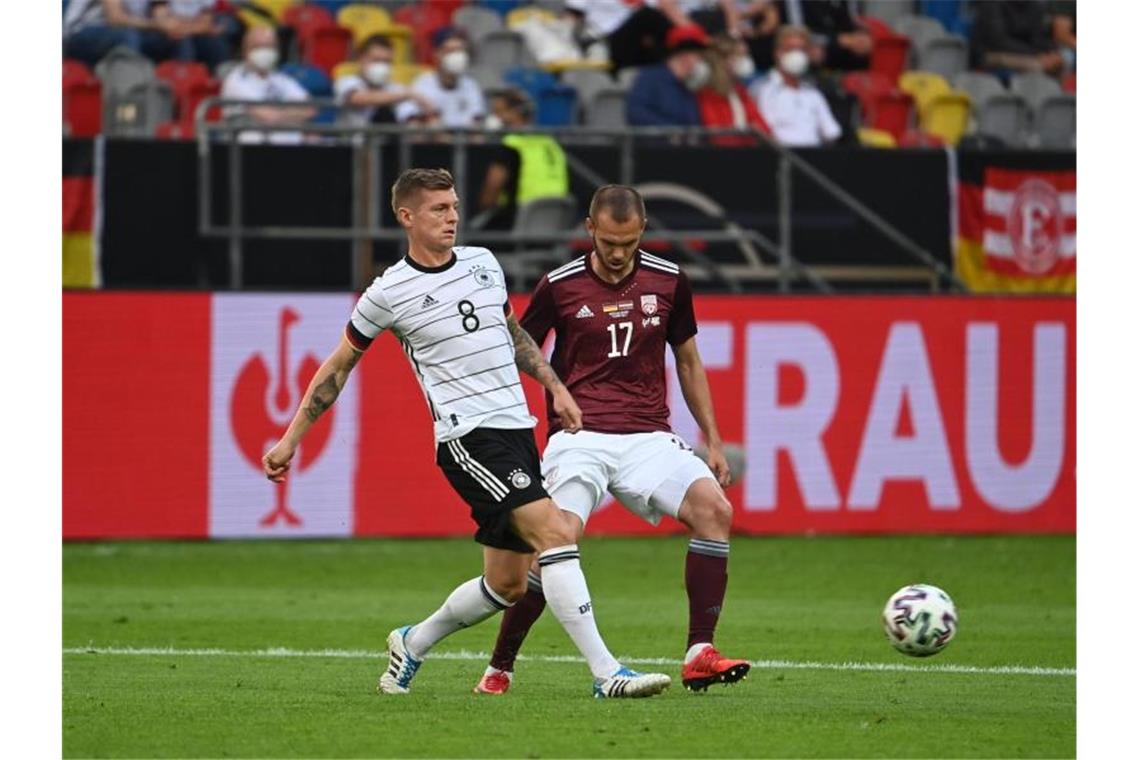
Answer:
(1012, 35)
(371, 92)
(796, 111)
(664, 95)
(838, 42)
(455, 96)
(724, 102)
(760, 20)
(91, 28)
(526, 167)
(633, 32)
(257, 79)
(1063, 19)
(193, 31)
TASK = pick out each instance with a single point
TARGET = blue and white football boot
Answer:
(402, 666)
(626, 683)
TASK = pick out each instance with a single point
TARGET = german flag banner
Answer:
(1017, 221)
(80, 214)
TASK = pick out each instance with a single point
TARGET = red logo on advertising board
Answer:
(253, 423)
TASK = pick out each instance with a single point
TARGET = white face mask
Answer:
(794, 63)
(743, 67)
(699, 76)
(455, 62)
(262, 58)
(493, 122)
(376, 73)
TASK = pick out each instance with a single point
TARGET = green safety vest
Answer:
(542, 167)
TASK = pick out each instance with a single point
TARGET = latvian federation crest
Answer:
(649, 305)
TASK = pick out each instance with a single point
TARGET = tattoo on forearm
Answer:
(528, 356)
(323, 397)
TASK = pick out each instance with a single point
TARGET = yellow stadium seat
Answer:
(401, 38)
(358, 14)
(557, 67)
(348, 68)
(522, 15)
(876, 138)
(923, 86)
(406, 73)
(251, 19)
(275, 8)
(947, 116)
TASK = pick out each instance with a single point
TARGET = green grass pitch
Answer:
(292, 631)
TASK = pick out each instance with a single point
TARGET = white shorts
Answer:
(648, 473)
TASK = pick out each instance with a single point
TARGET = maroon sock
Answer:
(516, 624)
(706, 576)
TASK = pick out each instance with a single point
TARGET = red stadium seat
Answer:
(179, 74)
(306, 18)
(174, 130)
(889, 55)
(82, 100)
(914, 138)
(194, 94)
(327, 46)
(1069, 83)
(890, 111)
(424, 19)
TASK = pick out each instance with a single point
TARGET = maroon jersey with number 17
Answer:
(609, 339)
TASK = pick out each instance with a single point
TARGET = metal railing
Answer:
(367, 170)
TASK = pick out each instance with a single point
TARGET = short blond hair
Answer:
(790, 30)
(411, 181)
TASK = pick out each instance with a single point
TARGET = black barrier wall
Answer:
(150, 238)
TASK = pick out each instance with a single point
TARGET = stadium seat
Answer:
(502, 7)
(557, 106)
(367, 16)
(946, 116)
(138, 110)
(333, 7)
(488, 77)
(123, 69)
(306, 18)
(978, 85)
(923, 86)
(979, 141)
(477, 22)
(424, 19)
(182, 76)
(193, 94)
(365, 21)
(607, 110)
(82, 103)
(1069, 83)
(347, 68)
(1055, 122)
(522, 15)
(914, 138)
(326, 46)
(502, 49)
(947, 55)
(1005, 116)
(626, 76)
(876, 138)
(888, 11)
(889, 55)
(890, 111)
(275, 8)
(919, 29)
(533, 81)
(1035, 87)
(315, 81)
(952, 14)
(76, 71)
(406, 73)
(546, 214)
(588, 83)
(174, 130)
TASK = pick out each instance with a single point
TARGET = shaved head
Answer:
(621, 202)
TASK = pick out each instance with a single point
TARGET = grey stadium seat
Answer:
(978, 85)
(889, 11)
(1035, 86)
(488, 77)
(500, 50)
(607, 110)
(587, 83)
(947, 55)
(1006, 116)
(626, 76)
(138, 111)
(920, 29)
(547, 214)
(478, 22)
(123, 69)
(1055, 122)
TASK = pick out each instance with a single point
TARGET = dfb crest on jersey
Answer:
(649, 305)
(520, 479)
(483, 277)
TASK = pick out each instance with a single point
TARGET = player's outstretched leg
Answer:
(553, 533)
(513, 628)
(708, 514)
(470, 603)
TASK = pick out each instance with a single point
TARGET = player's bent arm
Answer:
(529, 359)
(323, 390)
(695, 389)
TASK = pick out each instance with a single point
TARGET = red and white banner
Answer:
(855, 415)
(1030, 222)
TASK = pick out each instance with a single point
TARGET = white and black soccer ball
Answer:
(920, 620)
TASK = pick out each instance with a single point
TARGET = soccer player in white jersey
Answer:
(448, 307)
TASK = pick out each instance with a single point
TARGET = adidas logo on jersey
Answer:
(584, 312)
(428, 301)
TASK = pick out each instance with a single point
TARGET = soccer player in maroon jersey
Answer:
(613, 312)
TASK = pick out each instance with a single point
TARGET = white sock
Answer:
(695, 649)
(568, 598)
(470, 603)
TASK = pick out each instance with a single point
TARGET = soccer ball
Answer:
(920, 620)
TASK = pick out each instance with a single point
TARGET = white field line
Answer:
(363, 654)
